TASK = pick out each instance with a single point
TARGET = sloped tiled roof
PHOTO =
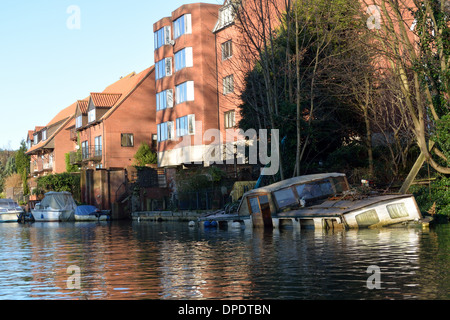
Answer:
(126, 86)
(105, 100)
(83, 105)
(63, 117)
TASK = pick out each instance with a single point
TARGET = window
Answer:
(285, 197)
(164, 100)
(85, 149)
(91, 115)
(397, 210)
(165, 131)
(367, 218)
(162, 37)
(79, 122)
(183, 25)
(315, 190)
(230, 121)
(127, 140)
(227, 50)
(163, 68)
(35, 139)
(44, 135)
(254, 205)
(183, 59)
(186, 125)
(98, 146)
(184, 92)
(228, 84)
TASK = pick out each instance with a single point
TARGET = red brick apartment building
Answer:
(200, 65)
(111, 125)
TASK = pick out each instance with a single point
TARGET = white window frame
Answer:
(228, 84)
(184, 59)
(186, 125)
(163, 68)
(164, 99)
(91, 115)
(79, 121)
(181, 96)
(166, 37)
(230, 119)
(227, 50)
(187, 19)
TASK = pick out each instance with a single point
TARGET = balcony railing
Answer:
(93, 153)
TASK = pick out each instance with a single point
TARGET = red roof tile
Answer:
(105, 100)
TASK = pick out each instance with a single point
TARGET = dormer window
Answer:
(44, 135)
(91, 115)
(79, 121)
(36, 139)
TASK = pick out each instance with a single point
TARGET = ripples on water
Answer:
(146, 260)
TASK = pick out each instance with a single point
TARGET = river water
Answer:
(172, 261)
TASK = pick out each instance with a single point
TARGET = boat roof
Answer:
(340, 207)
(294, 181)
(50, 193)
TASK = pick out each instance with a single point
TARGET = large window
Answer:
(183, 25)
(164, 100)
(162, 37)
(184, 92)
(163, 68)
(98, 146)
(183, 59)
(85, 149)
(165, 131)
(127, 140)
(186, 125)
(228, 84)
(227, 50)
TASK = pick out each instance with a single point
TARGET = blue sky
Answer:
(45, 66)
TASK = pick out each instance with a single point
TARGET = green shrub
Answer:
(438, 192)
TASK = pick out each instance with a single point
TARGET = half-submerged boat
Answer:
(56, 206)
(9, 210)
(323, 201)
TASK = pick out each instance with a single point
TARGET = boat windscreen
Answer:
(285, 197)
(8, 204)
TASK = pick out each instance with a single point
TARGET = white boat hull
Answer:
(9, 217)
(52, 215)
(90, 218)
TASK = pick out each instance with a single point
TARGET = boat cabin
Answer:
(291, 194)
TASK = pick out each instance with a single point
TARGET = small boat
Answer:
(56, 206)
(91, 213)
(324, 201)
(9, 210)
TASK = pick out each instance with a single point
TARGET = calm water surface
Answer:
(147, 260)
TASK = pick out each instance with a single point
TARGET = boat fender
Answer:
(213, 224)
(191, 223)
(207, 224)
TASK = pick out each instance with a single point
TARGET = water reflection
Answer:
(146, 260)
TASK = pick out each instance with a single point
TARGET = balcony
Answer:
(75, 157)
(93, 153)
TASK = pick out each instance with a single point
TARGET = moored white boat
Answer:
(9, 210)
(56, 206)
